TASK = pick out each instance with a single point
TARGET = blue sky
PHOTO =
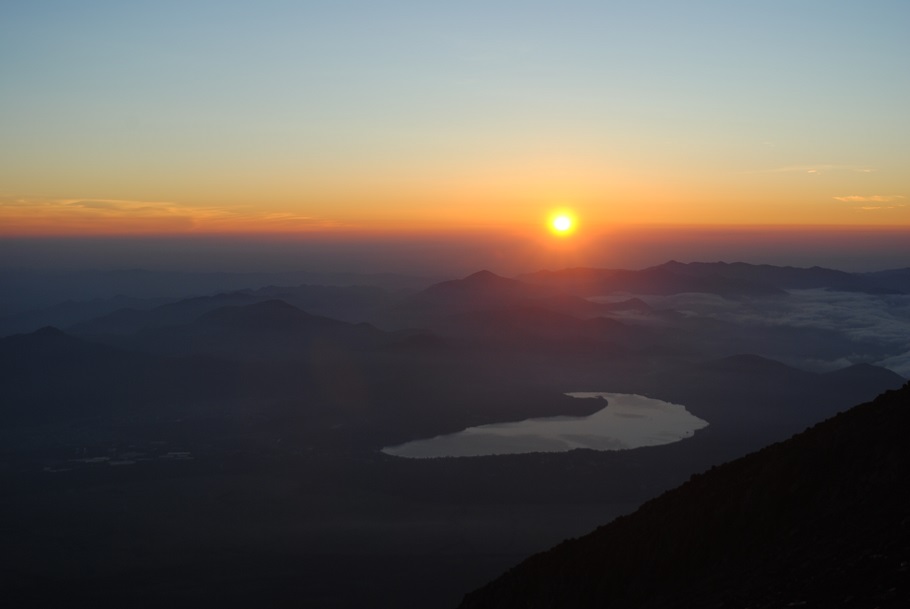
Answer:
(396, 113)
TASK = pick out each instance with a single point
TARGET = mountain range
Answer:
(215, 446)
(35, 300)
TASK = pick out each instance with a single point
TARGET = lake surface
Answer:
(628, 421)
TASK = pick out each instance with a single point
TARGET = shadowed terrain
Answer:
(821, 520)
(226, 447)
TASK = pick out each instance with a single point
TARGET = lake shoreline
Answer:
(627, 421)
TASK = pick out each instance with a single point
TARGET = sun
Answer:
(562, 223)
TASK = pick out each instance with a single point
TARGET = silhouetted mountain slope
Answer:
(346, 303)
(482, 289)
(50, 375)
(770, 386)
(863, 379)
(484, 292)
(29, 289)
(786, 277)
(575, 305)
(129, 321)
(115, 323)
(269, 330)
(656, 280)
(759, 400)
(821, 520)
(722, 278)
(897, 280)
(531, 326)
(47, 341)
(270, 315)
(352, 303)
(71, 312)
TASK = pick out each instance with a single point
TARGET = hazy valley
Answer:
(184, 439)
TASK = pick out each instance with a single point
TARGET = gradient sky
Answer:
(216, 116)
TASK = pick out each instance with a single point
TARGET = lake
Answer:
(627, 421)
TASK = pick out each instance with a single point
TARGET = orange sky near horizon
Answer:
(402, 118)
(393, 213)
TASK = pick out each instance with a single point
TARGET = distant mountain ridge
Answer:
(48, 375)
(664, 279)
(347, 303)
(820, 520)
(355, 297)
(761, 400)
(786, 277)
(487, 308)
(32, 299)
(477, 290)
(266, 330)
(722, 278)
(228, 446)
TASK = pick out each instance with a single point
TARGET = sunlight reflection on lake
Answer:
(628, 421)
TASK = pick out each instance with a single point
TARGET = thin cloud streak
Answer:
(815, 169)
(86, 216)
(869, 198)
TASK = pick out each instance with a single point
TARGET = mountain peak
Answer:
(49, 332)
(265, 314)
(484, 276)
(859, 372)
(48, 340)
(482, 282)
(749, 362)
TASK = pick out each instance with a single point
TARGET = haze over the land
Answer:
(173, 436)
(443, 255)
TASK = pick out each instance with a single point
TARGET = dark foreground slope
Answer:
(821, 520)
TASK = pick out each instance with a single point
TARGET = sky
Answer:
(352, 118)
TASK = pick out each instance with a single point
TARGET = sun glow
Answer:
(562, 223)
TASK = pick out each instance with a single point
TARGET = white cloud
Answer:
(870, 326)
(869, 198)
(898, 363)
(816, 169)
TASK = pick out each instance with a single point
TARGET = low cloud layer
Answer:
(865, 328)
